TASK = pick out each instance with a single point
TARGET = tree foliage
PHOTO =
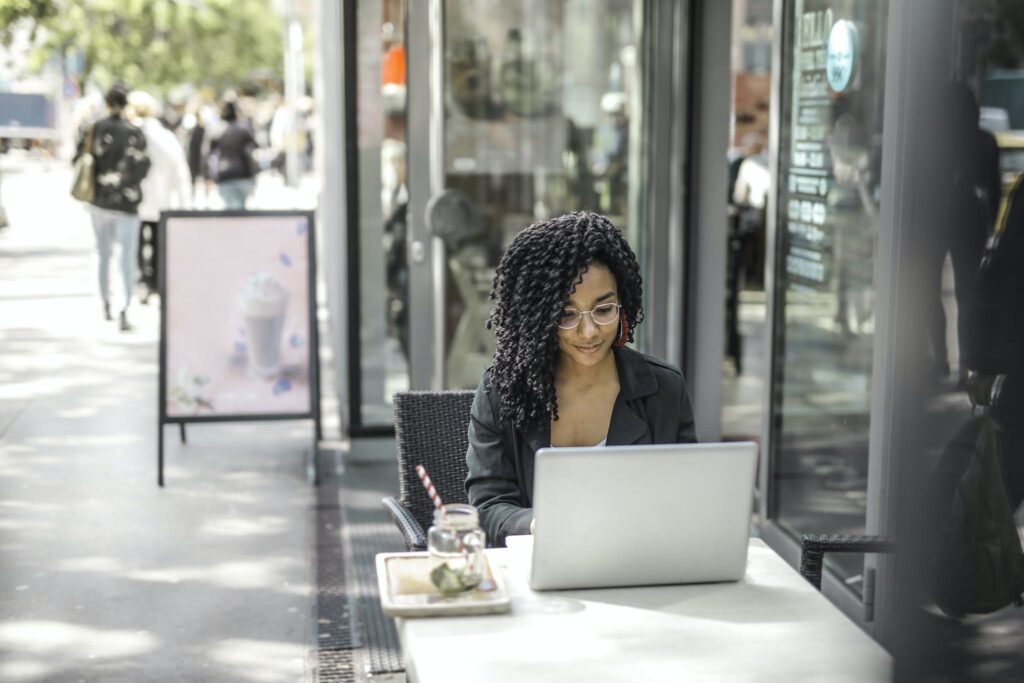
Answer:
(156, 44)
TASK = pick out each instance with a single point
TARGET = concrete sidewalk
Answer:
(103, 576)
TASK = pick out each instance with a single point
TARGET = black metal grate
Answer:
(355, 640)
(335, 632)
(365, 519)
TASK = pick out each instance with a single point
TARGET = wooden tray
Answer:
(406, 590)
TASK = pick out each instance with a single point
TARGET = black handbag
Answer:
(977, 560)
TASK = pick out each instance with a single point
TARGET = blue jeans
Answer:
(123, 228)
(236, 192)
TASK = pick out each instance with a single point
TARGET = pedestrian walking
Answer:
(3, 216)
(196, 147)
(168, 185)
(120, 163)
(231, 162)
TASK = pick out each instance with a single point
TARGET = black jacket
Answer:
(120, 163)
(652, 407)
(231, 154)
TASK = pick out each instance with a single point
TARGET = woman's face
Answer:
(588, 344)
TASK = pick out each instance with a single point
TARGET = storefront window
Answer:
(542, 112)
(746, 331)
(976, 328)
(986, 231)
(382, 357)
(827, 225)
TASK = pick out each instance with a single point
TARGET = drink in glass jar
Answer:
(456, 546)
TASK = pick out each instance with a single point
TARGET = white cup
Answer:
(264, 304)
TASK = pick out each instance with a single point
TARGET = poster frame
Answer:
(313, 346)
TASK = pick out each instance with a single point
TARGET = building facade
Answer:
(791, 173)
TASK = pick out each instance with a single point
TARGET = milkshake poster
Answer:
(237, 326)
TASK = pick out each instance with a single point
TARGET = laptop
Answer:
(616, 516)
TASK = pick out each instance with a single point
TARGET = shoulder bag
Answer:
(83, 186)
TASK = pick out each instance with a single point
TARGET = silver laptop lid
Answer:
(642, 515)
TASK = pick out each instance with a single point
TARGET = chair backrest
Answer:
(431, 430)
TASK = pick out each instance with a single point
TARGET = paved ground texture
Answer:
(103, 576)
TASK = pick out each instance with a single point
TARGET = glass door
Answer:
(829, 190)
(377, 200)
(518, 110)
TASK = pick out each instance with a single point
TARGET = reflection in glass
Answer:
(975, 212)
(539, 102)
(829, 187)
(746, 333)
(382, 201)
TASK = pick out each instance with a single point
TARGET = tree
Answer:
(153, 44)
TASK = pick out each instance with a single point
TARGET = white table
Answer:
(771, 626)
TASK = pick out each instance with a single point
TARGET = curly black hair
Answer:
(532, 285)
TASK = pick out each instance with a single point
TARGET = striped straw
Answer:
(432, 492)
(429, 486)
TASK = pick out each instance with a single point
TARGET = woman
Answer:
(168, 185)
(120, 164)
(567, 298)
(231, 162)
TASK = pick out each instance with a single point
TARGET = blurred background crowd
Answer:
(185, 59)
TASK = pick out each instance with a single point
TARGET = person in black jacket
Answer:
(567, 299)
(120, 164)
(997, 334)
(194, 150)
(231, 162)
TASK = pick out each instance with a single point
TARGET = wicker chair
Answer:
(814, 546)
(430, 430)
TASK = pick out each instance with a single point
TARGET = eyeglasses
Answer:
(605, 314)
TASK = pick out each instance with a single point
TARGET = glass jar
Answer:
(456, 546)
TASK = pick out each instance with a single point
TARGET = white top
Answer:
(168, 185)
(770, 626)
(601, 444)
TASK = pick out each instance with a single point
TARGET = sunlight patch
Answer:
(260, 660)
(54, 637)
(30, 506)
(81, 441)
(268, 574)
(90, 564)
(23, 670)
(75, 413)
(256, 526)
